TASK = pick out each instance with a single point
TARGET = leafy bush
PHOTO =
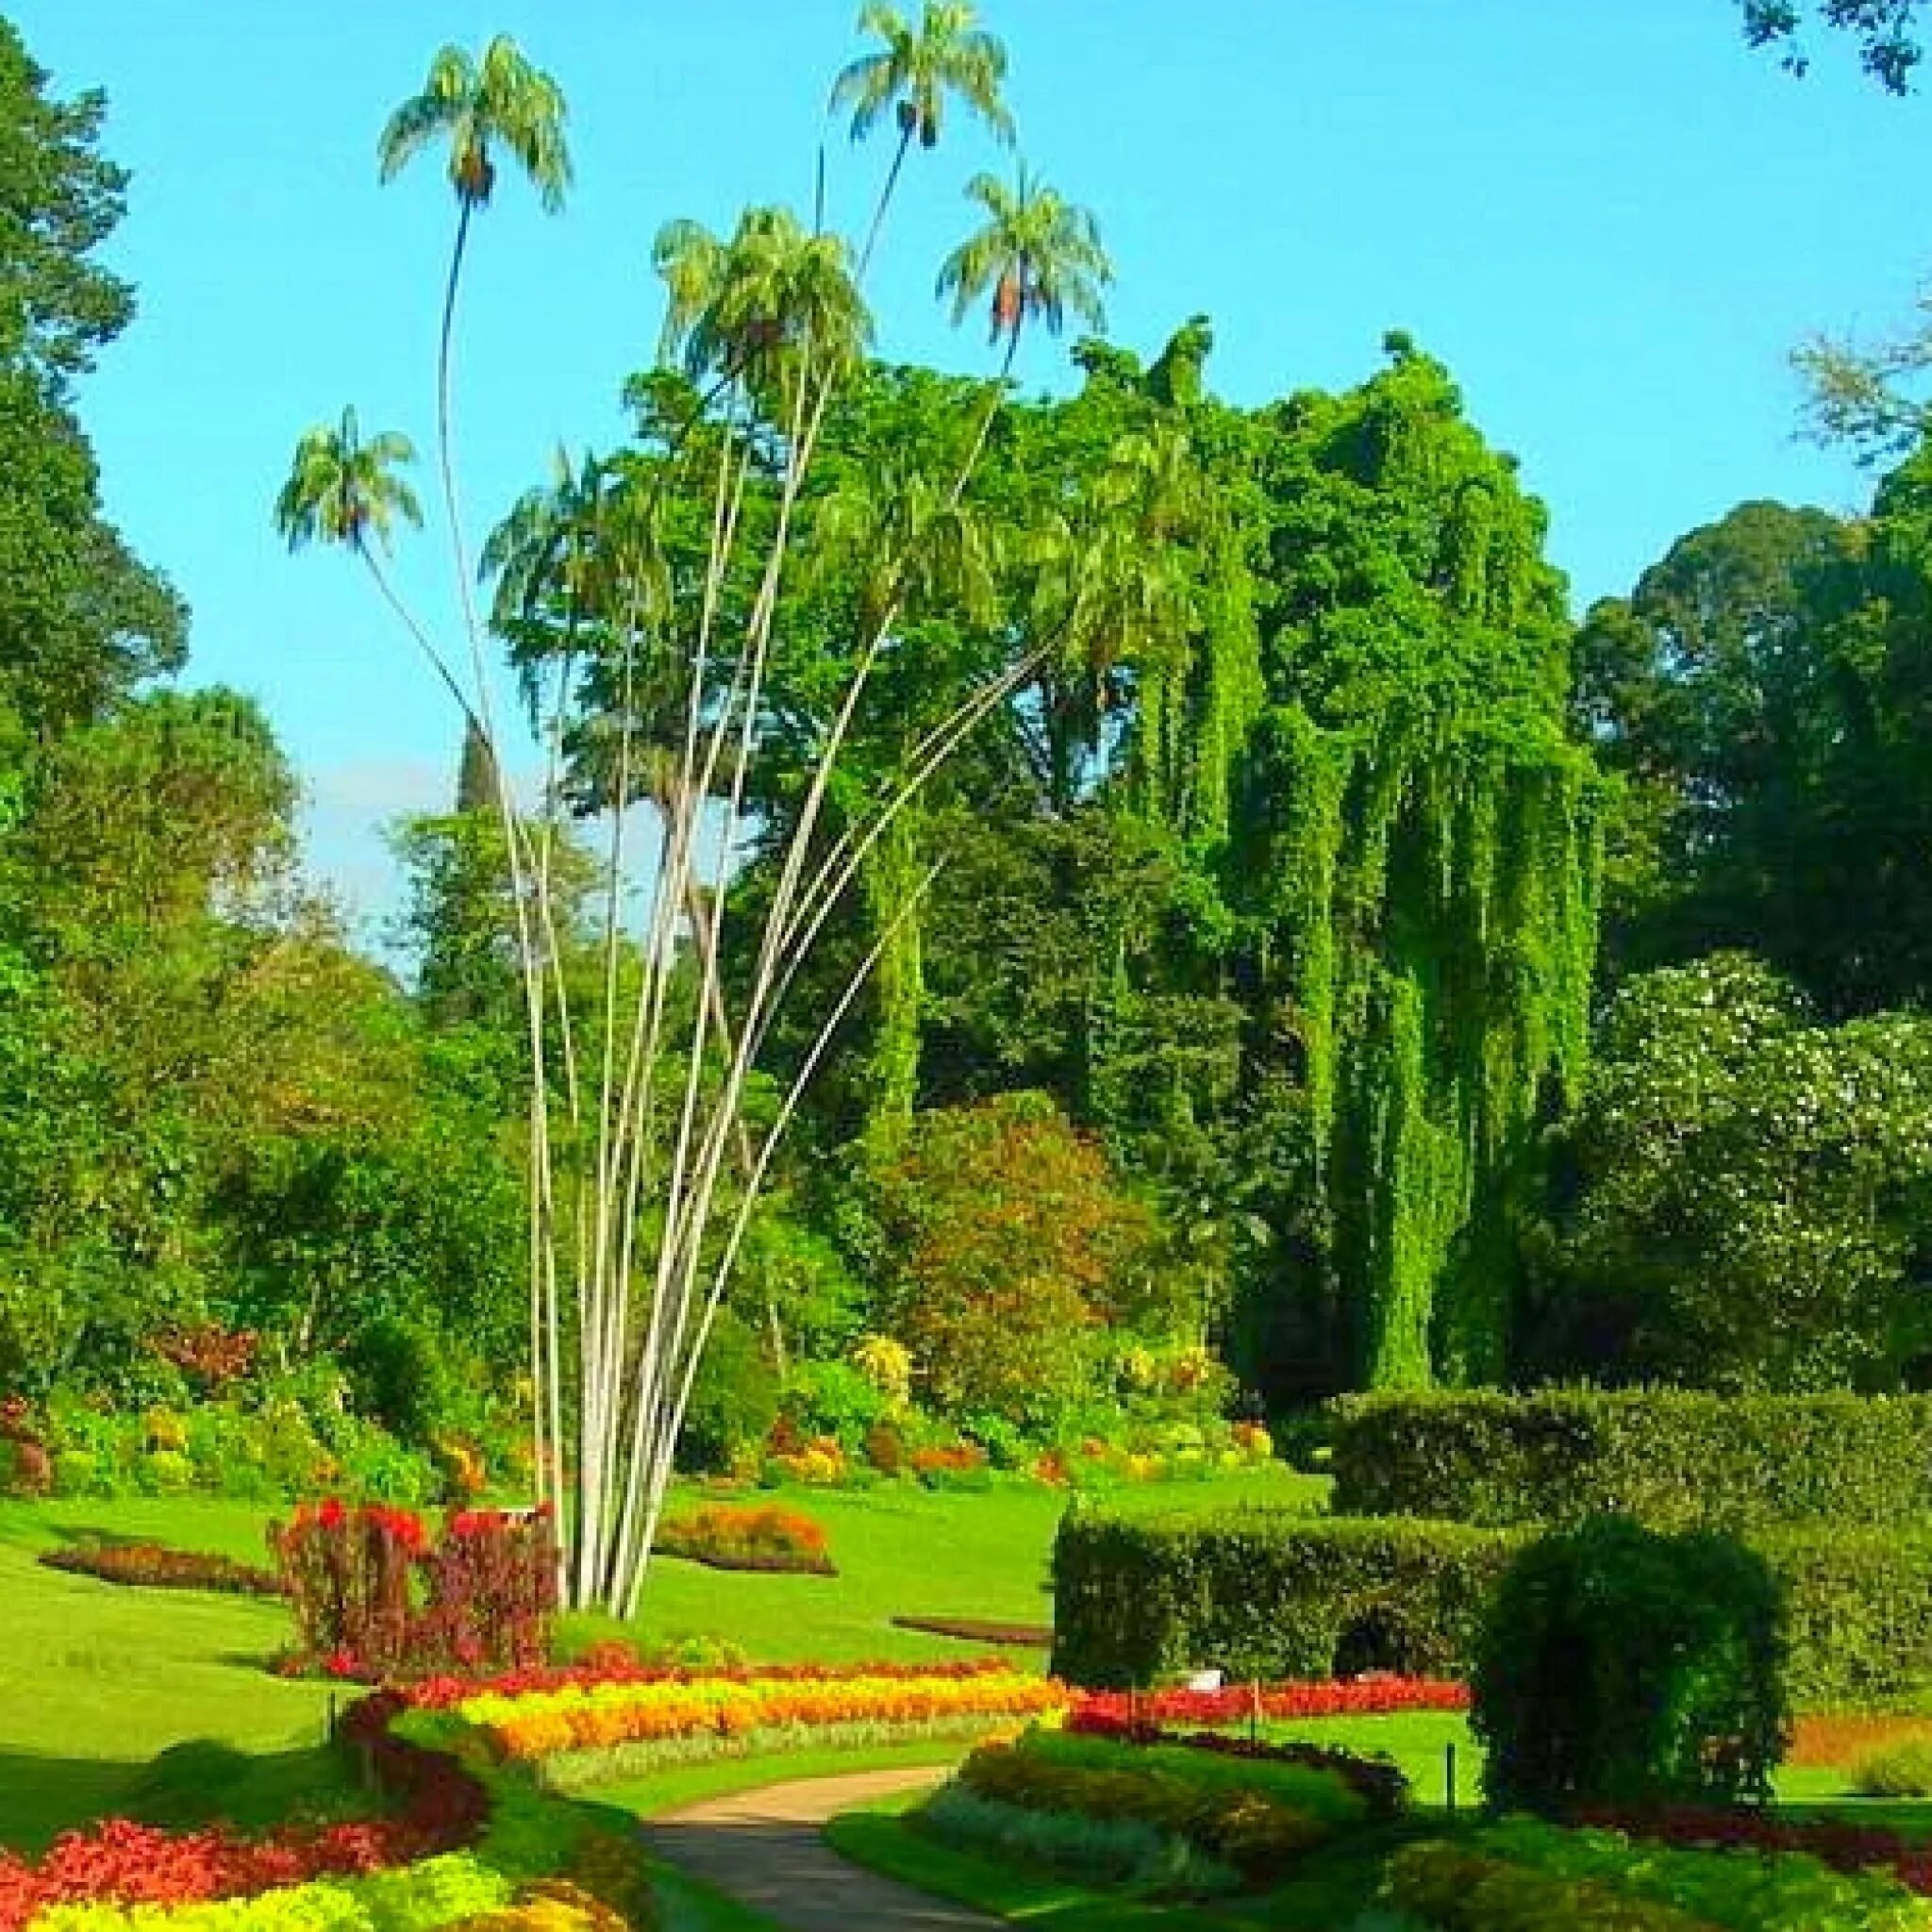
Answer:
(374, 1598)
(1620, 1665)
(734, 1400)
(1266, 1595)
(398, 1370)
(1012, 1248)
(1898, 1770)
(1671, 1458)
(834, 1399)
(1454, 1887)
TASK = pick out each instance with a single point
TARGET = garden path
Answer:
(763, 1849)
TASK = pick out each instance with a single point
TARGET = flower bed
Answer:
(678, 1720)
(1380, 1696)
(459, 1847)
(158, 1566)
(1378, 1781)
(756, 1538)
(1250, 1811)
(376, 1597)
(445, 1693)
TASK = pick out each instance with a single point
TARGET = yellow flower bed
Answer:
(599, 1716)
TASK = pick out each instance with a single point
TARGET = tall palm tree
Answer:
(914, 71)
(1038, 254)
(481, 107)
(498, 103)
(344, 488)
(773, 306)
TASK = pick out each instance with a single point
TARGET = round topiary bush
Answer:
(1620, 1666)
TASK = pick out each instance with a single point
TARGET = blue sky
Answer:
(1612, 221)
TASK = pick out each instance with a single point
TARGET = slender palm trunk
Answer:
(885, 201)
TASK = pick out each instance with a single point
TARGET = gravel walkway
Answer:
(764, 1849)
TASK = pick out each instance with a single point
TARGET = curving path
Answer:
(763, 1849)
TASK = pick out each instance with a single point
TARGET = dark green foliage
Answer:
(733, 1403)
(1886, 32)
(1761, 692)
(1621, 1666)
(1265, 1594)
(398, 1370)
(1671, 1458)
(1269, 1595)
(1746, 1195)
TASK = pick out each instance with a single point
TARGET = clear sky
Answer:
(1608, 216)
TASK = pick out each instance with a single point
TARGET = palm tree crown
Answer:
(751, 306)
(341, 490)
(1038, 254)
(499, 101)
(916, 70)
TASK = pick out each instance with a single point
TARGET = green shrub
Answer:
(734, 1400)
(1619, 1665)
(1671, 1459)
(1898, 1770)
(832, 1399)
(1267, 1593)
(400, 1379)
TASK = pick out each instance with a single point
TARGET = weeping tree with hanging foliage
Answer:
(1415, 854)
(640, 599)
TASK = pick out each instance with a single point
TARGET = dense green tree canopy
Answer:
(1750, 1193)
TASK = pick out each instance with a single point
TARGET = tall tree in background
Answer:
(82, 618)
(915, 72)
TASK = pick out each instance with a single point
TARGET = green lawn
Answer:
(95, 1680)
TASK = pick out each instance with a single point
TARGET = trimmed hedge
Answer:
(1265, 1594)
(1673, 1459)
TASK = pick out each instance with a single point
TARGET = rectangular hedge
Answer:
(1266, 1595)
(1671, 1459)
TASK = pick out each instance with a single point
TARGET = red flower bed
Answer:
(443, 1692)
(157, 1566)
(1843, 1846)
(441, 1807)
(1242, 1703)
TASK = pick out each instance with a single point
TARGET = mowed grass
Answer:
(96, 1679)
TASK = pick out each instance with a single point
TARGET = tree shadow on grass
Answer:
(41, 1797)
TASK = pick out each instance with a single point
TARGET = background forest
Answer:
(1335, 967)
